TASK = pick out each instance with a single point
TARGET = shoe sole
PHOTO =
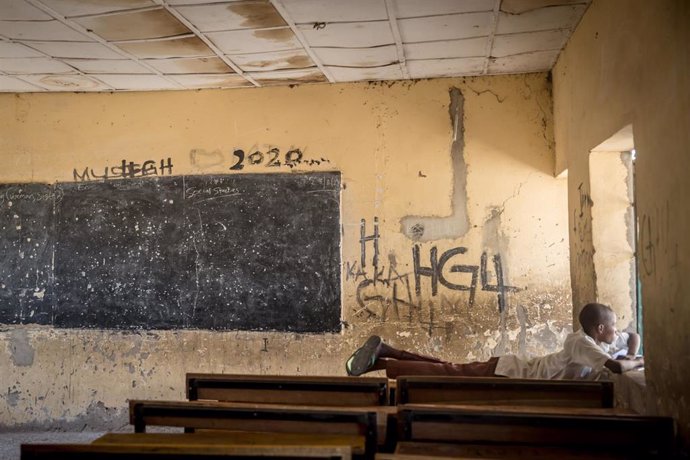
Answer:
(364, 356)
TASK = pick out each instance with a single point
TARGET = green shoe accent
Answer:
(364, 358)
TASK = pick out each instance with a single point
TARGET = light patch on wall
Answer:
(21, 351)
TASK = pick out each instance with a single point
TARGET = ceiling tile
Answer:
(96, 66)
(11, 50)
(197, 2)
(135, 26)
(169, 48)
(293, 59)
(468, 47)
(445, 67)
(81, 7)
(416, 8)
(40, 30)
(212, 81)
(506, 45)
(19, 10)
(255, 41)
(449, 27)
(349, 35)
(357, 57)
(138, 82)
(342, 74)
(521, 6)
(40, 65)
(66, 82)
(233, 16)
(15, 85)
(289, 77)
(207, 65)
(311, 11)
(557, 17)
(521, 63)
(76, 50)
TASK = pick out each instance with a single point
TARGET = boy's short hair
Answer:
(593, 314)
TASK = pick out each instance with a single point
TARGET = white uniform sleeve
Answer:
(586, 353)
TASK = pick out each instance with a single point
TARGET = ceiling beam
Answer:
(492, 35)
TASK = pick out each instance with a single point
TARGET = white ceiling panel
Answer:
(76, 50)
(66, 83)
(197, 2)
(233, 16)
(19, 10)
(520, 63)
(317, 11)
(295, 76)
(40, 30)
(521, 6)
(343, 74)
(42, 65)
(85, 7)
(417, 8)
(207, 65)
(293, 59)
(211, 81)
(506, 45)
(135, 25)
(357, 57)
(557, 17)
(95, 66)
(138, 82)
(171, 48)
(445, 67)
(10, 84)
(449, 27)
(468, 47)
(255, 41)
(349, 35)
(16, 50)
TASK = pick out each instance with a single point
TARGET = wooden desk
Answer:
(420, 450)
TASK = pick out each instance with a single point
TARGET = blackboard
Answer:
(233, 252)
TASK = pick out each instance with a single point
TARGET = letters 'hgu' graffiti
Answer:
(126, 169)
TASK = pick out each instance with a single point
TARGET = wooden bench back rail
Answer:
(200, 415)
(498, 390)
(301, 390)
(652, 435)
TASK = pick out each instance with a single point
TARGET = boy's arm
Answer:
(618, 366)
(633, 344)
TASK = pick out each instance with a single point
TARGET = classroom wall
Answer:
(628, 63)
(460, 167)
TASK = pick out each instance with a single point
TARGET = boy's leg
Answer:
(387, 351)
(395, 368)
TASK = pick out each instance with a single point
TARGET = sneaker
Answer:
(364, 357)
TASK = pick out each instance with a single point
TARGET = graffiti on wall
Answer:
(655, 240)
(240, 159)
(125, 170)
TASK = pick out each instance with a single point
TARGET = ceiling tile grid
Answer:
(149, 45)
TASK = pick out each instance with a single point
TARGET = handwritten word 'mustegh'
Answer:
(126, 169)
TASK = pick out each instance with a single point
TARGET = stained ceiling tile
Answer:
(39, 65)
(205, 65)
(451, 27)
(255, 41)
(66, 82)
(468, 47)
(15, 85)
(169, 48)
(506, 45)
(138, 82)
(521, 6)
(293, 59)
(557, 17)
(211, 81)
(289, 77)
(349, 35)
(71, 8)
(445, 67)
(521, 63)
(233, 16)
(197, 2)
(40, 30)
(19, 10)
(15, 50)
(95, 66)
(311, 11)
(76, 50)
(390, 72)
(357, 57)
(416, 8)
(136, 25)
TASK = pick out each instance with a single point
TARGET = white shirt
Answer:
(582, 357)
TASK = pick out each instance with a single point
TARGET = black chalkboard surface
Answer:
(234, 252)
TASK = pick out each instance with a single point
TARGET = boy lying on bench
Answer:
(585, 354)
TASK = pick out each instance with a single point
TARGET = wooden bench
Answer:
(503, 391)
(236, 417)
(282, 389)
(635, 435)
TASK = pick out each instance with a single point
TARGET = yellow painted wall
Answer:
(392, 142)
(628, 63)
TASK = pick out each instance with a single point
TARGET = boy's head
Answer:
(599, 322)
